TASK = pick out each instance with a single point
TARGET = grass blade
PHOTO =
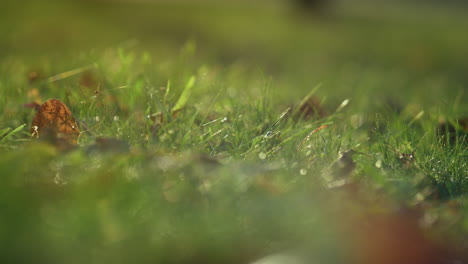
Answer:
(308, 96)
(168, 89)
(4, 131)
(185, 94)
(69, 73)
(16, 130)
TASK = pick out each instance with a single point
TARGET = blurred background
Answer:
(411, 44)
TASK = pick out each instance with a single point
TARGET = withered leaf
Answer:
(34, 76)
(453, 131)
(88, 80)
(310, 107)
(32, 105)
(55, 120)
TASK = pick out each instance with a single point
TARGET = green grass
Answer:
(236, 174)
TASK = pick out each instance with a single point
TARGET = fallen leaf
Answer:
(395, 238)
(453, 131)
(159, 119)
(311, 108)
(35, 76)
(32, 105)
(55, 120)
(87, 79)
(392, 105)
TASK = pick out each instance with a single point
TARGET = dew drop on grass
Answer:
(262, 155)
(378, 164)
(342, 105)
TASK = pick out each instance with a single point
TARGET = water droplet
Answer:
(378, 164)
(342, 105)
(262, 155)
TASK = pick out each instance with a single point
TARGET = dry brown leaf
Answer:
(159, 119)
(397, 238)
(87, 79)
(54, 119)
(32, 105)
(453, 130)
(34, 76)
(311, 108)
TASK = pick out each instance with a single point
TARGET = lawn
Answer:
(227, 132)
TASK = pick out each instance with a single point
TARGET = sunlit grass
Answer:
(195, 147)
